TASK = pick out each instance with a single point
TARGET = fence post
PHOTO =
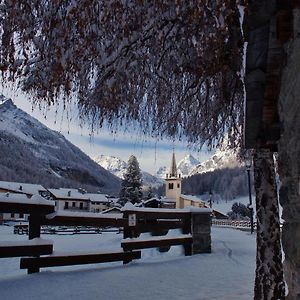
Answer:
(127, 233)
(34, 232)
(201, 231)
(187, 229)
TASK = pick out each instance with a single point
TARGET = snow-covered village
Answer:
(150, 150)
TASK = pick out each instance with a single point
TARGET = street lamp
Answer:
(210, 198)
(248, 164)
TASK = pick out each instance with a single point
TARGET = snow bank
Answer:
(83, 215)
(226, 273)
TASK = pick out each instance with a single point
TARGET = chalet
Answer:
(98, 202)
(27, 190)
(78, 200)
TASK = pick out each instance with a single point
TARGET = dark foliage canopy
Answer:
(174, 67)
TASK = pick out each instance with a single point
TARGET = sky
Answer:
(150, 153)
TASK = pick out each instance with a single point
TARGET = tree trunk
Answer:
(269, 283)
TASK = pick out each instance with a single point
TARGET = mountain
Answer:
(220, 160)
(187, 164)
(118, 167)
(184, 167)
(161, 172)
(112, 164)
(30, 152)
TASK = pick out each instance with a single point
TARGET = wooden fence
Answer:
(134, 221)
(238, 224)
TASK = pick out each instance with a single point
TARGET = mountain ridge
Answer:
(32, 152)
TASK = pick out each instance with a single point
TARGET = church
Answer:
(173, 197)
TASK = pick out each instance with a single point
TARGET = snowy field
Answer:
(227, 273)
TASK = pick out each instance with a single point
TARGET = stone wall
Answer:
(201, 231)
(289, 160)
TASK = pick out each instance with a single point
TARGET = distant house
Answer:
(98, 202)
(189, 200)
(78, 200)
(28, 189)
(19, 188)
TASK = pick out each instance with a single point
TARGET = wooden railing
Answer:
(134, 221)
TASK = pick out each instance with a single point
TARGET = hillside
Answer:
(31, 152)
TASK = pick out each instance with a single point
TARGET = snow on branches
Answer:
(173, 66)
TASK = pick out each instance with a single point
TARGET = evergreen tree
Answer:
(149, 193)
(131, 189)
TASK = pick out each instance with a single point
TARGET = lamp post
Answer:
(210, 199)
(248, 163)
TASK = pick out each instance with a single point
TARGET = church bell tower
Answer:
(173, 183)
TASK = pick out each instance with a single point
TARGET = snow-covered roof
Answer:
(171, 200)
(74, 194)
(70, 194)
(64, 213)
(24, 188)
(192, 198)
(98, 197)
(130, 207)
(107, 211)
(22, 198)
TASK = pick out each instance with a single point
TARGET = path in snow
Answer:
(227, 273)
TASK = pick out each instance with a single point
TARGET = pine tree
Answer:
(149, 193)
(131, 189)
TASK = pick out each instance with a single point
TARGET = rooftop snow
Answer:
(24, 188)
(73, 194)
(23, 199)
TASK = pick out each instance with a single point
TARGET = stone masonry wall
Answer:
(201, 231)
(289, 160)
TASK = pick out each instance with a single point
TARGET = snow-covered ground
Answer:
(227, 273)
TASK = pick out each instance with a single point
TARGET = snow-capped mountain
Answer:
(186, 165)
(118, 167)
(112, 164)
(220, 160)
(161, 172)
(31, 152)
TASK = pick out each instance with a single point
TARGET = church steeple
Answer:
(173, 169)
(173, 183)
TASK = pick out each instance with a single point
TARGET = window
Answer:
(81, 205)
(12, 215)
(21, 216)
(178, 185)
(171, 186)
(73, 204)
(66, 205)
